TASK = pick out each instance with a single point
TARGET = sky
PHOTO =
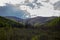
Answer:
(34, 7)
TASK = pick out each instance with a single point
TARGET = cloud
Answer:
(53, 1)
(31, 8)
(46, 10)
(2, 2)
(57, 5)
(10, 10)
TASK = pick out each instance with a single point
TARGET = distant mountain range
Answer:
(4, 22)
(10, 21)
(31, 21)
(16, 22)
(14, 18)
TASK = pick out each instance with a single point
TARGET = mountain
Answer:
(40, 20)
(49, 32)
(4, 22)
(54, 23)
(14, 18)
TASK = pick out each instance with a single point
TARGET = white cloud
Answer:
(2, 2)
(10, 1)
(45, 10)
(53, 1)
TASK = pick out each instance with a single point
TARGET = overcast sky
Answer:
(40, 7)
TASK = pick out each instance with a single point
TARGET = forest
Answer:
(12, 30)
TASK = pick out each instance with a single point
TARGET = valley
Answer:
(13, 30)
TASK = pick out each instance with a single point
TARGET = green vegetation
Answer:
(11, 30)
(54, 22)
(9, 23)
(37, 25)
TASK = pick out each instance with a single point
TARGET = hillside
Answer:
(53, 25)
(55, 22)
(31, 21)
(41, 20)
(14, 18)
(4, 22)
(46, 32)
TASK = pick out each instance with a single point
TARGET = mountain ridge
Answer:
(31, 21)
(5, 22)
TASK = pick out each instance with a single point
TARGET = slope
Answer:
(4, 22)
(55, 22)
